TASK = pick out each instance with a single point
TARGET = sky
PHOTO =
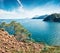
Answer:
(22, 9)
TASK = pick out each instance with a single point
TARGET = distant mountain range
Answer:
(53, 17)
(40, 17)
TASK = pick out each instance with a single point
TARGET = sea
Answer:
(43, 31)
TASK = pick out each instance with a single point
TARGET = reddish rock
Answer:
(9, 44)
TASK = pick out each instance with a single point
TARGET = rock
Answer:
(9, 44)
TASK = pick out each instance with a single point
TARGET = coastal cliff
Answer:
(53, 18)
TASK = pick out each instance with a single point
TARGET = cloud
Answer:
(22, 13)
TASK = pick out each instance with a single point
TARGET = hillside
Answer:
(53, 18)
(9, 44)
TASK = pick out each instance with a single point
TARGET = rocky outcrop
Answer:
(9, 44)
(53, 18)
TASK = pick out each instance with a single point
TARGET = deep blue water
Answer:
(48, 32)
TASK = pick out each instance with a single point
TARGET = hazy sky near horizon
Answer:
(28, 8)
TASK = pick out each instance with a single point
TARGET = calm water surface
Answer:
(48, 32)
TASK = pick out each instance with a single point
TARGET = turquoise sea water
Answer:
(48, 32)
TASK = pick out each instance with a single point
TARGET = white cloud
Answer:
(22, 13)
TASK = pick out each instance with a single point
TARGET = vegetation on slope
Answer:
(51, 49)
(17, 30)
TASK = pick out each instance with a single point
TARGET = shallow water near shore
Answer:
(48, 32)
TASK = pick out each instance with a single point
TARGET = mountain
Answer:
(53, 17)
(40, 17)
